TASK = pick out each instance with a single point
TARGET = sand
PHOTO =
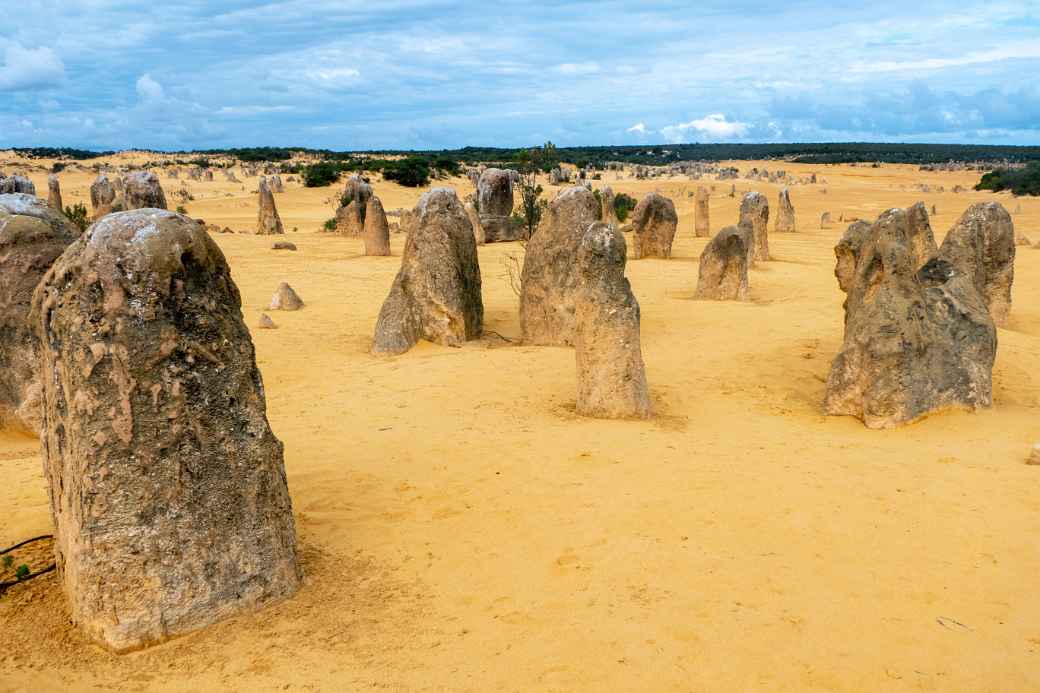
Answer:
(463, 529)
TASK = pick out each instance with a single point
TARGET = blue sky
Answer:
(181, 74)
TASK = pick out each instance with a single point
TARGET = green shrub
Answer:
(321, 174)
(77, 214)
(181, 209)
(412, 172)
(21, 572)
(330, 224)
(623, 204)
(1020, 181)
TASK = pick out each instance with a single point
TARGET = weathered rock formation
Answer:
(549, 280)
(825, 220)
(917, 340)
(268, 222)
(654, 222)
(436, 295)
(167, 486)
(495, 205)
(54, 193)
(754, 213)
(266, 323)
(702, 213)
(919, 235)
(283, 245)
(32, 236)
(377, 230)
(102, 196)
(611, 375)
(285, 298)
(723, 274)
(350, 217)
(276, 184)
(10, 185)
(142, 191)
(474, 219)
(608, 215)
(785, 213)
(982, 246)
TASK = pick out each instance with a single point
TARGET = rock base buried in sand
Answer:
(168, 488)
(266, 323)
(611, 375)
(654, 222)
(285, 299)
(283, 245)
(723, 274)
(916, 341)
(436, 295)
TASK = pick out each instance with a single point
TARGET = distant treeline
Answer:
(823, 153)
(58, 153)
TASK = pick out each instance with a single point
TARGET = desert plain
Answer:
(461, 528)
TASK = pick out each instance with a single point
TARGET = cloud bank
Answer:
(428, 74)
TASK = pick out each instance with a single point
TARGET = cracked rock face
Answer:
(982, 246)
(436, 295)
(268, 222)
(32, 236)
(167, 486)
(608, 355)
(917, 339)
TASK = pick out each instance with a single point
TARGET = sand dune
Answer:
(461, 528)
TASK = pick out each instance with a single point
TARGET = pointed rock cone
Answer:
(266, 323)
(436, 295)
(785, 213)
(285, 299)
(54, 193)
(268, 221)
(377, 230)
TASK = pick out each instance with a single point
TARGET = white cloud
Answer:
(638, 128)
(148, 89)
(332, 77)
(587, 68)
(29, 68)
(712, 126)
(1015, 51)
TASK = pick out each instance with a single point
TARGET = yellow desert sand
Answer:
(461, 528)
